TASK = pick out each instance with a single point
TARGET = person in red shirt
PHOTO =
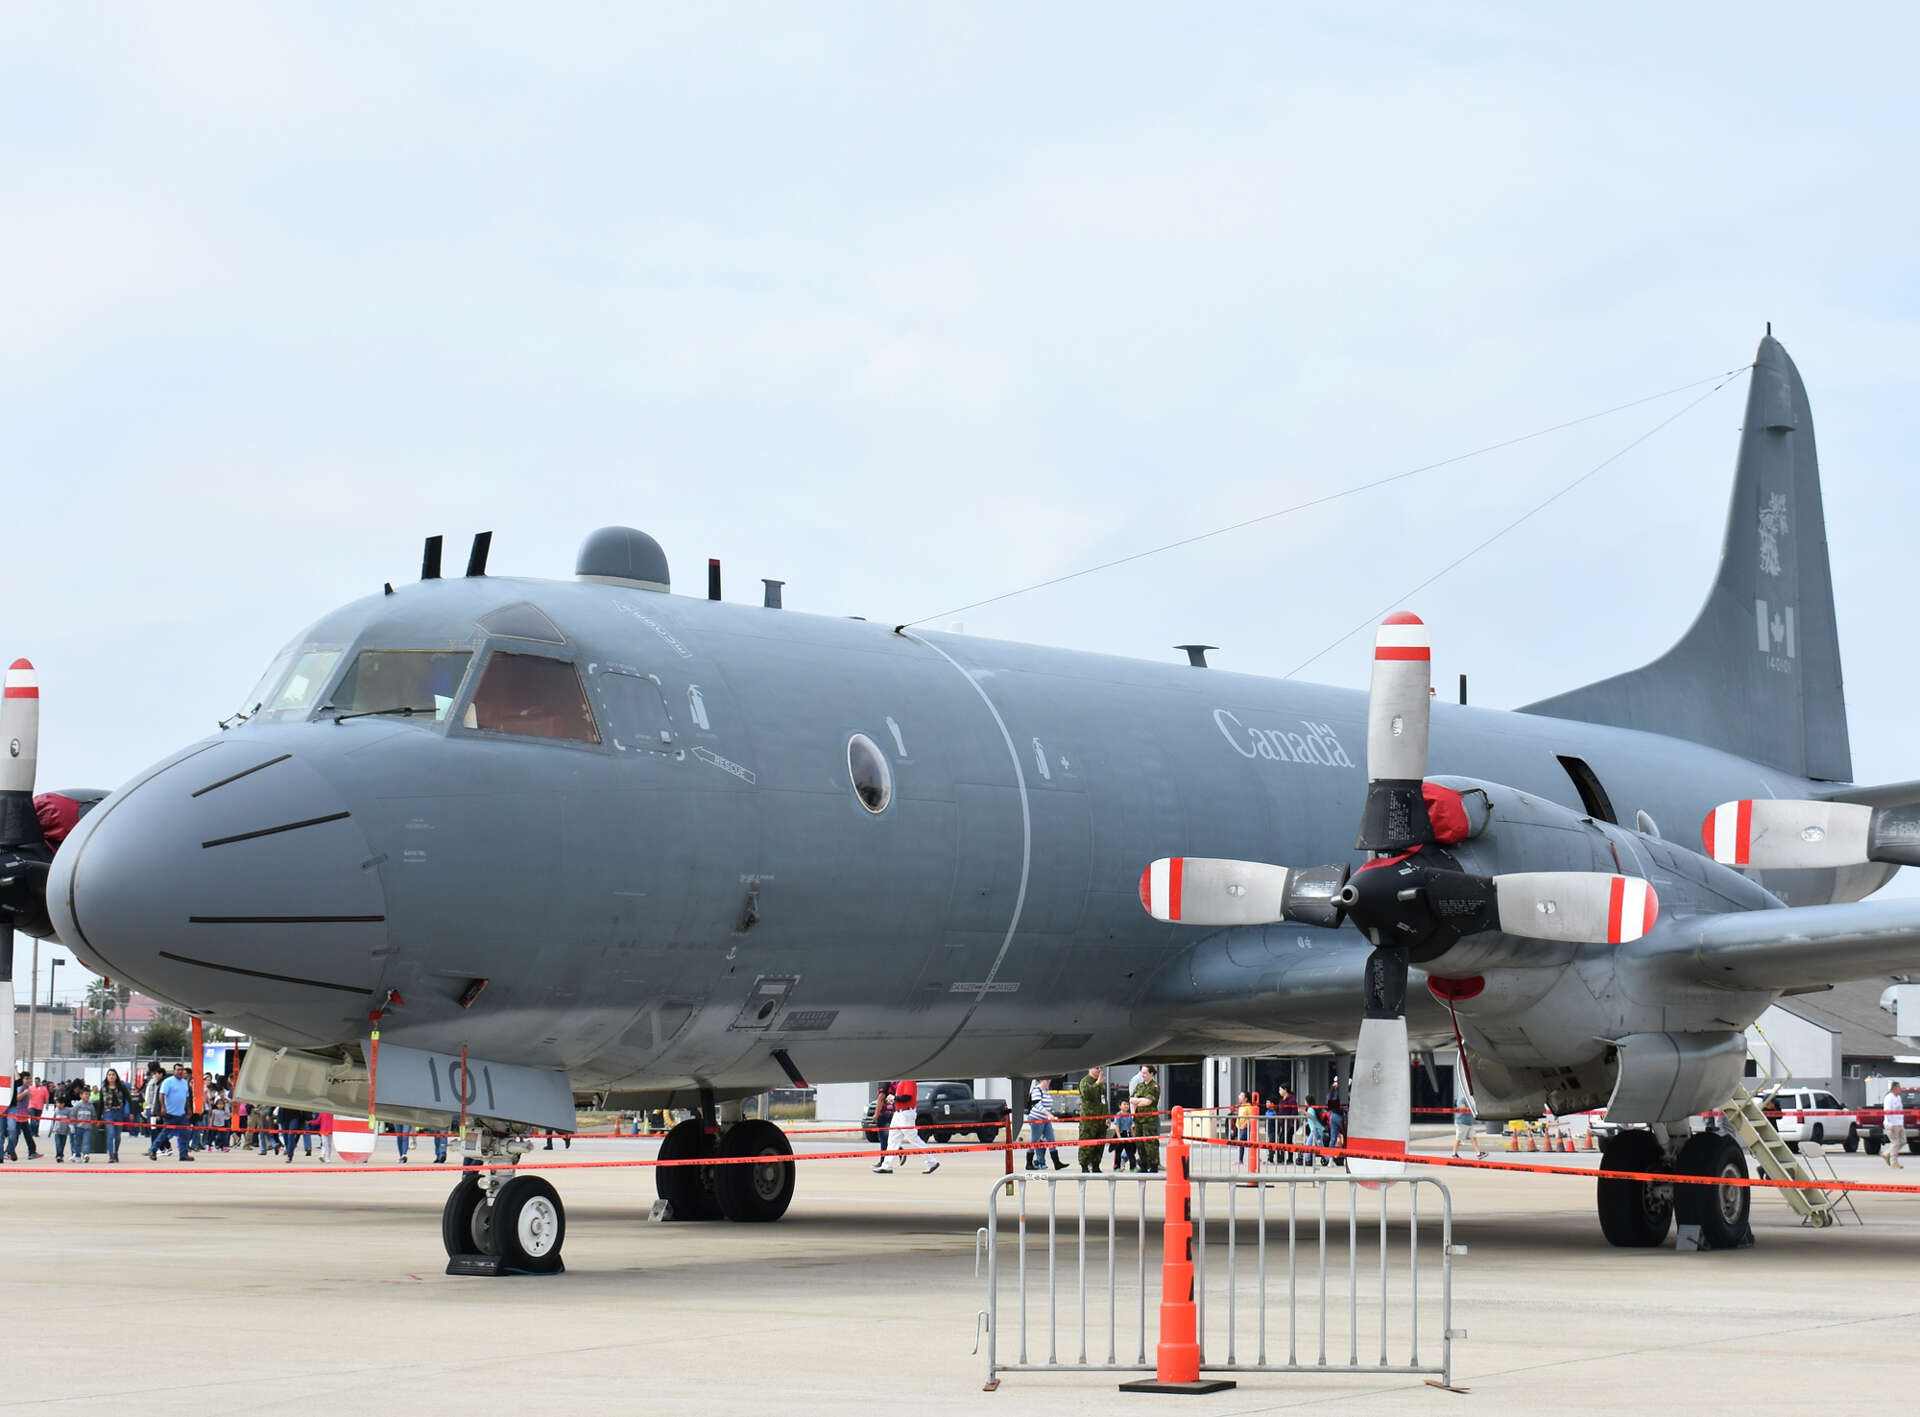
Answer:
(37, 1098)
(904, 1128)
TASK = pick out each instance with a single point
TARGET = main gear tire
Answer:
(1721, 1212)
(1634, 1214)
(758, 1191)
(690, 1190)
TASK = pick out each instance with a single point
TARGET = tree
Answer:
(93, 1039)
(167, 1034)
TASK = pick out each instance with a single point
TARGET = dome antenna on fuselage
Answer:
(619, 555)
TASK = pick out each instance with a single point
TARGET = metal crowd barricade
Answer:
(1113, 1260)
(1292, 1272)
(1352, 1248)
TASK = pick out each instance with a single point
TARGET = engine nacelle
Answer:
(1509, 832)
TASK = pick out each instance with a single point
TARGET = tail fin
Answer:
(1758, 674)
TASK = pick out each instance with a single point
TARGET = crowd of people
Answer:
(85, 1120)
(1127, 1124)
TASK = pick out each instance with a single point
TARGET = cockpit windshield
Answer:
(288, 686)
(405, 682)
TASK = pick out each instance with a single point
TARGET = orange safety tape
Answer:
(866, 1153)
(1470, 1163)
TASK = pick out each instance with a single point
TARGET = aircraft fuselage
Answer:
(635, 905)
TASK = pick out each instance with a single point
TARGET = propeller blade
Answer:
(1206, 890)
(1399, 705)
(1579, 907)
(1787, 835)
(1379, 1111)
(19, 754)
(19, 728)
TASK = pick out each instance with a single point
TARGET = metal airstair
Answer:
(1749, 1126)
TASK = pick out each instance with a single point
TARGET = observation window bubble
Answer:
(872, 777)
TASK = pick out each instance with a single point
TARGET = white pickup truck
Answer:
(1812, 1114)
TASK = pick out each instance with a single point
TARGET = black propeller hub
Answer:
(23, 890)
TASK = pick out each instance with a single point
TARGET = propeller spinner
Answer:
(1399, 900)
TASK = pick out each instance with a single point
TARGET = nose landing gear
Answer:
(495, 1222)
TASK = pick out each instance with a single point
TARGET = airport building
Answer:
(1841, 1039)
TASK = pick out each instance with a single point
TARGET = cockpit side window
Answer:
(406, 682)
(288, 687)
(633, 709)
(531, 696)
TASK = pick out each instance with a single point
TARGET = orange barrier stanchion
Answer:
(1176, 1364)
(1253, 1152)
(1009, 1150)
(196, 1070)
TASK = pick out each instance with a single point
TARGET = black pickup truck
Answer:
(948, 1111)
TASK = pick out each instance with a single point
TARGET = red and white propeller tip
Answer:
(19, 728)
(1399, 703)
(1379, 1112)
(1578, 907)
(1783, 834)
(1206, 890)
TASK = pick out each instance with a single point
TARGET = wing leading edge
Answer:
(1790, 949)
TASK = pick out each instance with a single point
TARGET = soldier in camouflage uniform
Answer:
(1146, 1121)
(1093, 1119)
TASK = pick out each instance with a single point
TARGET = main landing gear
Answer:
(1636, 1214)
(756, 1191)
(495, 1222)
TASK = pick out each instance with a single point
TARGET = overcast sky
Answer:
(911, 305)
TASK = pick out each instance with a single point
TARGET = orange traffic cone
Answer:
(1176, 1364)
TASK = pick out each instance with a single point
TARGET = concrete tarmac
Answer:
(205, 1293)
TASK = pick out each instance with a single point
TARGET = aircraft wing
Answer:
(1789, 949)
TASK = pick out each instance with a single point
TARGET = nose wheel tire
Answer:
(456, 1219)
(1720, 1211)
(761, 1190)
(528, 1225)
(1634, 1214)
(690, 1190)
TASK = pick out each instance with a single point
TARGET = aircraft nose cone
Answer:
(234, 881)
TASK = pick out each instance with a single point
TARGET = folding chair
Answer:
(1815, 1157)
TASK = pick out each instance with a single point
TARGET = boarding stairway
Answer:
(1749, 1126)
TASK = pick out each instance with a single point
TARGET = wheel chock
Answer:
(490, 1267)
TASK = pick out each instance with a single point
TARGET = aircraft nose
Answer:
(234, 881)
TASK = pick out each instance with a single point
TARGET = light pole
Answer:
(33, 1001)
(53, 973)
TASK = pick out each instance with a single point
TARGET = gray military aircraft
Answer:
(559, 839)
